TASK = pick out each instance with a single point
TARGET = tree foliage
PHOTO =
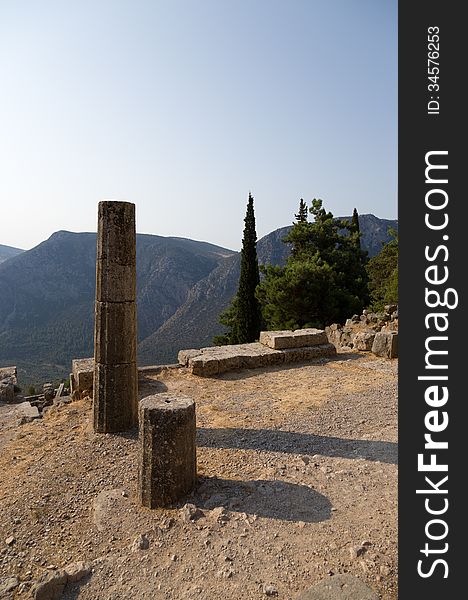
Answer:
(382, 271)
(243, 317)
(301, 216)
(324, 279)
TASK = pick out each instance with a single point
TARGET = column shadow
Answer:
(264, 498)
(270, 440)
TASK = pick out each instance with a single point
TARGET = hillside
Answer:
(7, 252)
(297, 483)
(195, 323)
(47, 296)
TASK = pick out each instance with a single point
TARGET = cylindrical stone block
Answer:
(114, 282)
(168, 463)
(115, 340)
(115, 397)
(115, 372)
(116, 243)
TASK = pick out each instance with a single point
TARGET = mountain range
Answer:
(47, 296)
(7, 252)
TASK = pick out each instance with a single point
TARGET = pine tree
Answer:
(382, 270)
(299, 233)
(324, 279)
(301, 216)
(243, 317)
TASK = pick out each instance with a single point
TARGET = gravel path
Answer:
(298, 481)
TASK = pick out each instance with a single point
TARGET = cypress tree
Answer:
(248, 309)
(355, 230)
(355, 221)
(243, 317)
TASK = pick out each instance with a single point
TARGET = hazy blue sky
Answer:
(184, 106)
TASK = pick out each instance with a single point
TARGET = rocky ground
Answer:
(298, 482)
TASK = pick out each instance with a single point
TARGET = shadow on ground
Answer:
(269, 440)
(148, 387)
(264, 498)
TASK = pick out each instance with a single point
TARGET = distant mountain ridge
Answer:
(47, 296)
(7, 252)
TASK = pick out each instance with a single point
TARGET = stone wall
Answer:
(369, 332)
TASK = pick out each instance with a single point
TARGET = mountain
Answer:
(195, 322)
(47, 296)
(7, 252)
(374, 232)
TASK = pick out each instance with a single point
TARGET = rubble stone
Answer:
(363, 340)
(386, 344)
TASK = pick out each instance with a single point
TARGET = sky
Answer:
(185, 106)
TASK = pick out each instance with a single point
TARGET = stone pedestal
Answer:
(168, 464)
(115, 370)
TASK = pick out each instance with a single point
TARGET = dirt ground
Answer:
(297, 482)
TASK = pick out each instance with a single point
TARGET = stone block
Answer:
(386, 344)
(28, 411)
(116, 242)
(207, 362)
(333, 333)
(83, 372)
(115, 397)
(364, 340)
(115, 332)
(184, 356)
(300, 338)
(167, 453)
(204, 365)
(304, 354)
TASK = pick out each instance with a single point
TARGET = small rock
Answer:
(140, 543)
(270, 590)
(385, 570)
(50, 586)
(7, 585)
(356, 551)
(76, 571)
(189, 512)
(167, 523)
(220, 515)
(10, 541)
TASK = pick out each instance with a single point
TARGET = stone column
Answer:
(115, 370)
(168, 463)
